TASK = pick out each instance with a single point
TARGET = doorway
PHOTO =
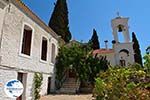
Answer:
(49, 85)
(22, 77)
(72, 73)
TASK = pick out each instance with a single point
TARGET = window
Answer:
(53, 54)
(26, 42)
(44, 49)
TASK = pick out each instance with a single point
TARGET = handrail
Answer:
(77, 85)
(63, 78)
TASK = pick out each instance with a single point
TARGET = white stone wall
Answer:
(44, 85)
(110, 58)
(127, 46)
(3, 3)
(2, 12)
(29, 88)
(11, 43)
(11, 51)
(5, 76)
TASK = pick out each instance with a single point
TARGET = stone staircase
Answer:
(70, 86)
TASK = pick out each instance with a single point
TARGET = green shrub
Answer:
(79, 58)
(147, 62)
(37, 82)
(123, 83)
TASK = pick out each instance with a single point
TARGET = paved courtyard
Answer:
(68, 97)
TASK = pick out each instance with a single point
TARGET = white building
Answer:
(122, 52)
(27, 45)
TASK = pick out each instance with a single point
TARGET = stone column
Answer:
(115, 33)
(126, 35)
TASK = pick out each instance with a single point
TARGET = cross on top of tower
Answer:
(118, 14)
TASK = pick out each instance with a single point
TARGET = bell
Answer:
(120, 29)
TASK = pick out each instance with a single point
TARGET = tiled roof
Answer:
(103, 51)
(34, 17)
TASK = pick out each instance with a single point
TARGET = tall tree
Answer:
(59, 20)
(137, 51)
(148, 50)
(94, 40)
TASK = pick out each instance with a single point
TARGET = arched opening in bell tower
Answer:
(120, 30)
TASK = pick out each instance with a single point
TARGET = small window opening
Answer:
(44, 49)
(53, 53)
(26, 43)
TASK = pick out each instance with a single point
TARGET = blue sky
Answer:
(84, 15)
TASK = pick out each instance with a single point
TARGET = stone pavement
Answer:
(68, 97)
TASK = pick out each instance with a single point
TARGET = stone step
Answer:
(67, 90)
(71, 79)
(69, 86)
(70, 83)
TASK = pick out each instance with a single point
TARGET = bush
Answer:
(123, 83)
(147, 62)
(80, 58)
(37, 82)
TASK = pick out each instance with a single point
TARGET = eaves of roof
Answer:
(34, 17)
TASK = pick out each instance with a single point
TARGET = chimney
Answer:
(106, 44)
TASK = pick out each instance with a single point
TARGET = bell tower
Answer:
(124, 53)
(120, 24)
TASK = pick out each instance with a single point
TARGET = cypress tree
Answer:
(148, 50)
(94, 41)
(59, 20)
(137, 51)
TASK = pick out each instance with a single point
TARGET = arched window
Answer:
(124, 50)
(26, 41)
(53, 53)
(44, 49)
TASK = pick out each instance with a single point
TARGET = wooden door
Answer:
(49, 85)
(20, 78)
(72, 73)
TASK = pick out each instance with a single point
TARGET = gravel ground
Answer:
(67, 97)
